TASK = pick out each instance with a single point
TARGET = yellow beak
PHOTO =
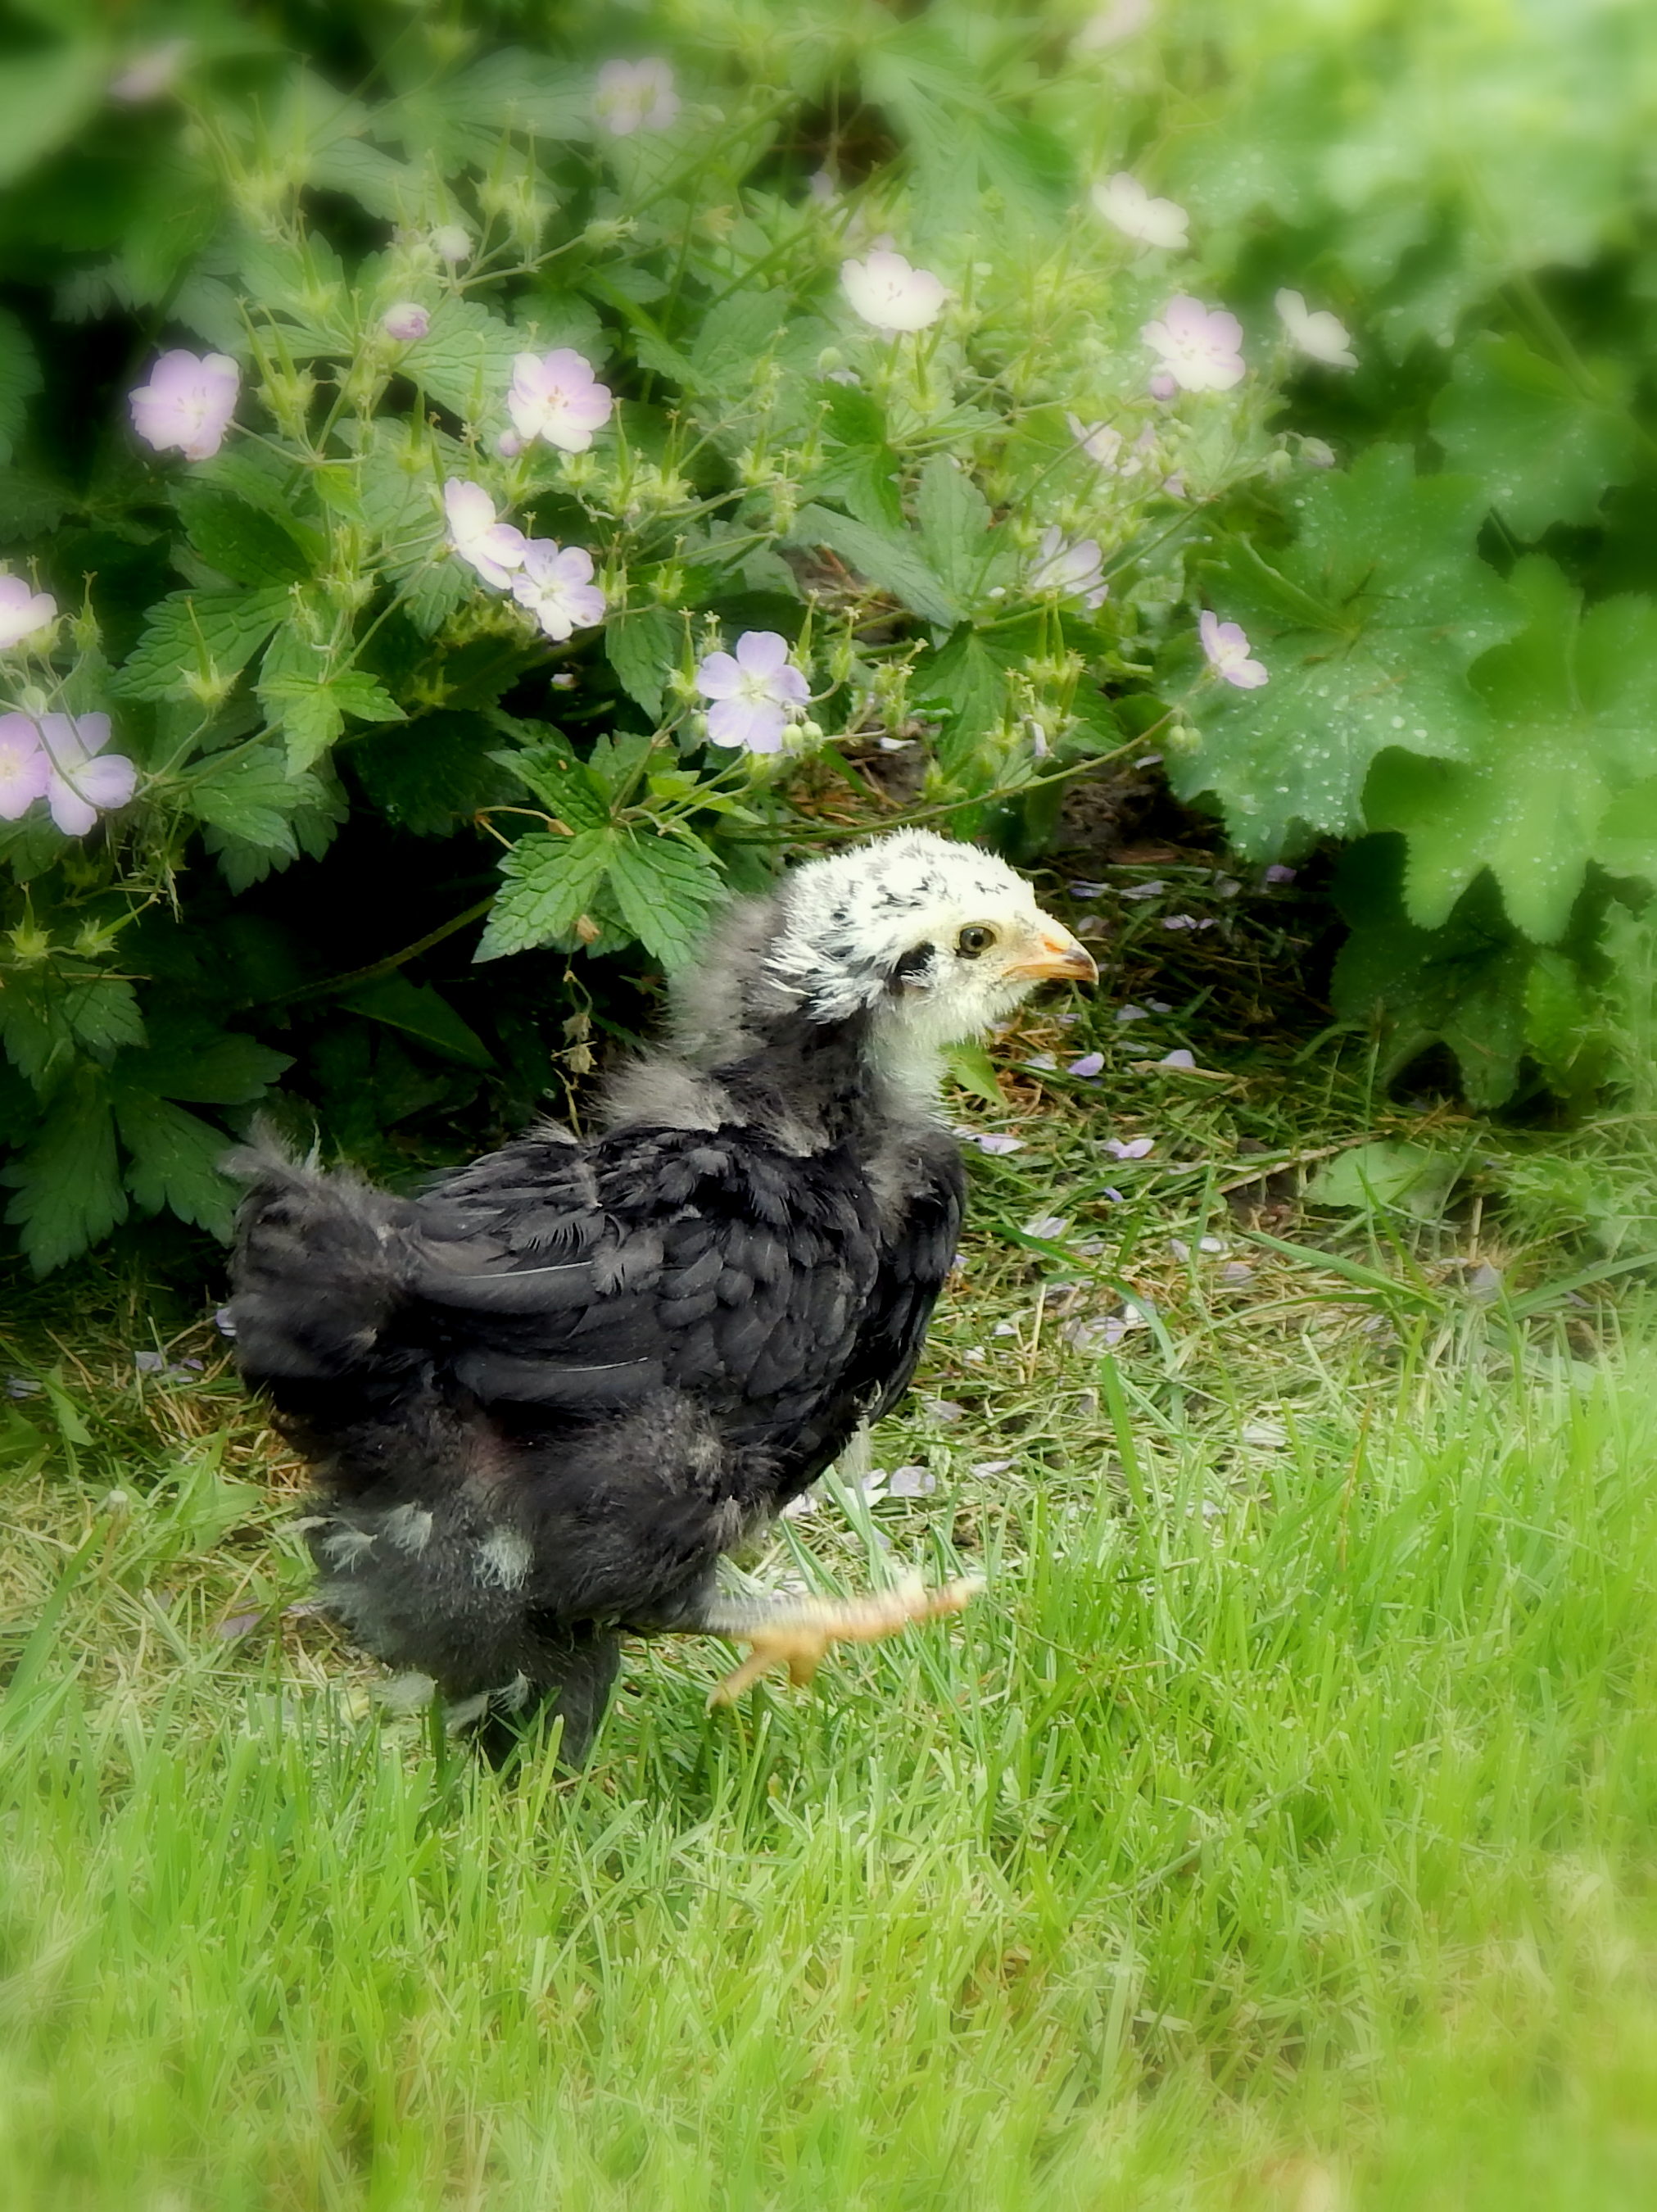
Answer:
(1057, 956)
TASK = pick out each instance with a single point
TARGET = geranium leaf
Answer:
(1545, 450)
(1366, 624)
(548, 883)
(665, 888)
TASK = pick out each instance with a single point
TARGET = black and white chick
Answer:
(543, 1399)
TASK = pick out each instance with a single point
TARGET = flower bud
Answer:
(406, 322)
(451, 242)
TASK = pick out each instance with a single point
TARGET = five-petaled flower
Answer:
(1316, 333)
(187, 403)
(1101, 443)
(888, 292)
(23, 612)
(1072, 568)
(1128, 207)
(556, 584)
(635, 95)
(61, 758)
(1197, 344)
(754, 692)
(556, 396)
(493, 549)
(1225, 646)
(407, 321)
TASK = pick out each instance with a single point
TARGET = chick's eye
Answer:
(974, 941)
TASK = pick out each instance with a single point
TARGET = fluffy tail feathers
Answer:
(319, 1268)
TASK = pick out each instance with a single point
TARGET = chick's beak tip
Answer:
(1057, 956)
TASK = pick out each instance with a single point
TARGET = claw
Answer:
(800, 1641)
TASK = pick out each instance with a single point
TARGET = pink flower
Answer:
(556, 586)
(635, 95)
(755, 692)
(187, 403)
(1225, 646)
(406, 322)
(493, 548)
(1130, 1148)
(556, 396)
(149, 73)
(889, 293)
(1197, 344)
(1320, 336)
(1128, 207)
(23, 612)
(1277, 873)
(79, 784)
(1162, 385)
(24, 767)
(1071, 569)
(1102, 445)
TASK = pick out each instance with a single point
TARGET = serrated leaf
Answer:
(175, 1162)
(239, 541)
(665, 888)
(465, 361)
(642, 647)
(199, 639)
(419, 1010)
(548, 883)
(892, 560)
(312, 710)
(565, 785)
(48, 1016)
(956, 528)
(68, 1181)
(188, 1058)
(434, 773)
(1366, 625)
(969, 679)
(1571, 720)
(251, 795)
(20, 380)
(1545, 450)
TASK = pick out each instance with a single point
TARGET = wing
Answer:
(560, 1277)
(916, 1256)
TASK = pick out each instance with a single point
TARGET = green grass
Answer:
(1276, 1832)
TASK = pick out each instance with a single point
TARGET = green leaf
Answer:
(1544, 449)
(433, 774)
(44, 98)
(194, 642)
(312, 710)
(892, 560)
(240, 541)
(665, 888)
(1366, 625)
(464, 359)
(252, 796)
(548, 883)
(1572, 721)
(420, 1012)
(188, 1058)
(20, 380)
(642, 647)
(956, 529)
(68, 1181)
(568, 787)
(1384, 1173)
(175, 1162)
(973, 1070)
(49, 1015)
(969, 679)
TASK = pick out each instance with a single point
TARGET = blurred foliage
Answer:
(362, 772)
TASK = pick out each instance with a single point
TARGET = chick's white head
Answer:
(941, 938)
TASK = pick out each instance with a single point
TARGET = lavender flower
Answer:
(82, 780)
(407, 322)
(1178, 1058)
(1071, 569)
(911, 1482)
(493, 548)
(556, 396)
(23, 612)
(1101, 443)
(556, 586)
(998, 1145)
(1132, 1013)
(24, 767)
(891, 294)
(1198, 345)
(755, 693)
(1152, 889)
(1090, 1064)
(1128, 207)
(1225, 647)
(187, 403)
(1319, 334)
(635, 96)
(1130, 1148)
(1277, 873)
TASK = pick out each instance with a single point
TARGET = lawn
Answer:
(1274, 1832)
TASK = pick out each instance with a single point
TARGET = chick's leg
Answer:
(796, 1632)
